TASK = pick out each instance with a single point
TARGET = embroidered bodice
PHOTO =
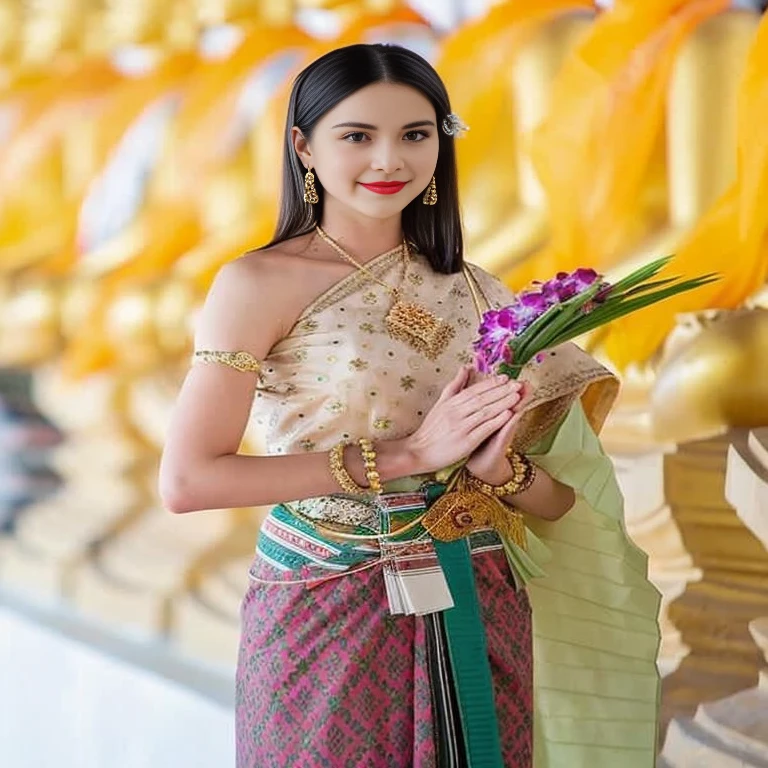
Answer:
(339, 375)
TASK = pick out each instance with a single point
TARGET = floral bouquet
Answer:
(565, 307)
(551, 313)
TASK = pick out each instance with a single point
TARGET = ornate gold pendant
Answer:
(419, 328)
(459, 513)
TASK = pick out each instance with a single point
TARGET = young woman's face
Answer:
(383, 133)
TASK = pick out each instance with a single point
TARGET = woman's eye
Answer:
(356, 137)
(416, 135)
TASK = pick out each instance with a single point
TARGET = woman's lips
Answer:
(385, 187)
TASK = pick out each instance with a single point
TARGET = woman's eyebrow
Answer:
(369, 127)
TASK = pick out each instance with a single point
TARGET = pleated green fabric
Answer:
(595, 619)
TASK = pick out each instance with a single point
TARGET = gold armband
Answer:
(240, 361)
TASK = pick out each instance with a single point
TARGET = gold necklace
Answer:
(405, 321)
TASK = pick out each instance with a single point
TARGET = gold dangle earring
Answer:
(430, 196)
(310, 192)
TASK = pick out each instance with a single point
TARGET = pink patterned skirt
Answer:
(327, 677)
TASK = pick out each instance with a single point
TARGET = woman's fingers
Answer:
(504, 436)
(473, 391)
(491, 410)
(455, 385)
(486, 428)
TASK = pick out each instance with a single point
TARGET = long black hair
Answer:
(434, 231)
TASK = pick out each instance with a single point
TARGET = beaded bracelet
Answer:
(369, 460)
(339, 471)
(523, 475)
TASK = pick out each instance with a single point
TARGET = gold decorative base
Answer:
(28, 572)
(713, 615)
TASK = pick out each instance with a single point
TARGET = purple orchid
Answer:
(564, 286)
(525, 329)
(492, 346)
(500, 326)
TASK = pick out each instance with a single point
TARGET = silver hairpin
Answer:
(453, 125)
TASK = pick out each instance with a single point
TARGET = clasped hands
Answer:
(474, 419)
(489, 461)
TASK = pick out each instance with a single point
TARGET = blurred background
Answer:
(139, 150)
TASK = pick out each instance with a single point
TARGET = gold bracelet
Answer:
(523, 475)
(369, 460)
(521, 463)
(339, 471)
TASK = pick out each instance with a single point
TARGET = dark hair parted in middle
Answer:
(434, 231)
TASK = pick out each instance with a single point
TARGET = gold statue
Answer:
(146, 69)
(599, 151)
(692, 350)
(519, 47)
(77, 129)
(706, 136)
(50, 56)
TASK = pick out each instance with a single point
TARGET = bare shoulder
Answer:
(261, 293)
(246, 304)
(276, 266)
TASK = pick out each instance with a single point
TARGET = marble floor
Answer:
(74, 695)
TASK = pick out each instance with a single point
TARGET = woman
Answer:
(387, 622)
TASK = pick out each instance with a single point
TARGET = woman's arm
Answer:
(546, 497)
(249, 307)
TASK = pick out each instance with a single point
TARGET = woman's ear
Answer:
(301, 145)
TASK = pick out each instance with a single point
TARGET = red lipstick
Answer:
(385, 187)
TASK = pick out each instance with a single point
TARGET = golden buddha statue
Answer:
(71, 135)
(50, 53)
(700, 133)
(717, 332)
(147, 69)
(701, 137)
(53, 83)
(519, 47)
(600, 151)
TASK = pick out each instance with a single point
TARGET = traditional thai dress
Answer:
(547, 655)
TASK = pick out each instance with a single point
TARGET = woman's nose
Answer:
(387, 158)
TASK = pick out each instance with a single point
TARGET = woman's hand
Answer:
(489, 462)
(465, 415)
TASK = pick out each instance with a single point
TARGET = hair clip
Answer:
(453, 125)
